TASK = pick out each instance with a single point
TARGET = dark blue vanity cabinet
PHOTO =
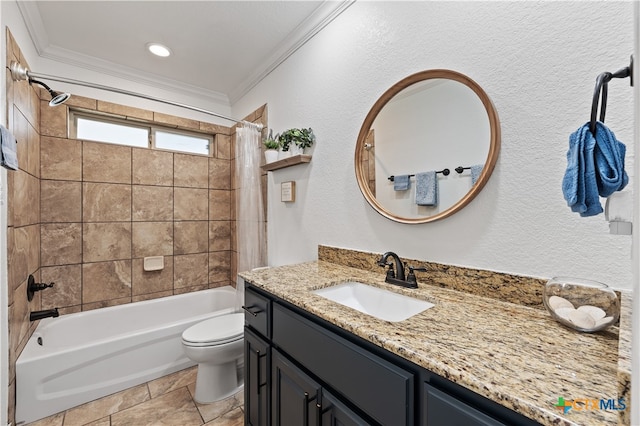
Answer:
(302, 370)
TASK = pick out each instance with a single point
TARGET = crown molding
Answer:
(321, 17)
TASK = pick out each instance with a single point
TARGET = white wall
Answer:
(537, 61)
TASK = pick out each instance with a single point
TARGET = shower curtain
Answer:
(250, 222)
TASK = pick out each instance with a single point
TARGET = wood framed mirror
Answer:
(435, 121)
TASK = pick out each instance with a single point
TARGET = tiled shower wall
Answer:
(104, 208)
(85, 214)
(23, 212)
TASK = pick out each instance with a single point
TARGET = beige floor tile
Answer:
(103, 407)
(171, 409)
(173, 381)
(55, 420)
(102, 422)
(217, 409)
(232, 418)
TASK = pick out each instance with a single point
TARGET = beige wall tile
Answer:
(19, 320)
(67, 289)
(190, 270)
(219, 266)
(191, 237)
(60, 159)
(106, 303)
(219, 174)
(33, 159)
(106, 280)
(219, 235)
(151, 296)
(152, 203)
(82, 102)
(53, 120)
(151, 167)
(152, 239)
(106, 241)
(219, 205)
(21, 95)
(106, 202)
(60, 201)
(190, 204)
(173, 121)
(61, 243)
(102, 162)
(24, 194)
(145, 282)
(20, 131)
(190, 171)
(17, 253)
(183, 290)
(224, 147)
(33, 250)
(214, 129)
(125, 111)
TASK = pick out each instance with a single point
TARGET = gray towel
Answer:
(475, 173)
(427, 189)
(9, 149)
(401, 183)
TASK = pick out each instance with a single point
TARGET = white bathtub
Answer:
(88, 355)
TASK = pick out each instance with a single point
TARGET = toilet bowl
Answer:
(217, 346)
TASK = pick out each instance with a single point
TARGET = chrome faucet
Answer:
(397, 276)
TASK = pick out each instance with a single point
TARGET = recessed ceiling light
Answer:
(159, 49)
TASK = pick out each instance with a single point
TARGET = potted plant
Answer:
(271, 145)
(296, 140)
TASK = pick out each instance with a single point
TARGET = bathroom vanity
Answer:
(469, 360)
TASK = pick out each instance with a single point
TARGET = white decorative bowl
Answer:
(581, 304)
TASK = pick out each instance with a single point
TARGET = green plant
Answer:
(271, 142)
(302, 138)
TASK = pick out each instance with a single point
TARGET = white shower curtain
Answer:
(250, 222)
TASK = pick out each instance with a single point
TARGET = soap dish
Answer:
(581, 304)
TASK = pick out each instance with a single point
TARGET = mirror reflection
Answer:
(427, 147)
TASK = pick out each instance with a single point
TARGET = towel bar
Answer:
(443, 171)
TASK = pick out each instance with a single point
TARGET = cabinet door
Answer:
(443, 409)
(335, 413)
(295, 396)
(257, 364)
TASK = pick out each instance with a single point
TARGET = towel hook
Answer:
(601, 90)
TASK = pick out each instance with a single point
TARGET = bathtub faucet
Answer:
(38, 315)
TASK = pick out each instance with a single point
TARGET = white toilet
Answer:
(217, 346)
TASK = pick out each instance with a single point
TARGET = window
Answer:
(102, 128)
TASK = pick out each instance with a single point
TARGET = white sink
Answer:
(383, 304)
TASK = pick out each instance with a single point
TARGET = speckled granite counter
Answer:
(515, 355)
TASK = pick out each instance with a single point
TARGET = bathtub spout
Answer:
(38, 315)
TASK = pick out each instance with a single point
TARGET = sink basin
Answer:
(382, 304)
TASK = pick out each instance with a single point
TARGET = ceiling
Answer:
(220, 49)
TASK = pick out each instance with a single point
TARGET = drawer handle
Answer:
(254, 313)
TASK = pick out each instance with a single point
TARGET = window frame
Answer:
(151, 128)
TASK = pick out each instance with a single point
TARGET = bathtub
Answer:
(80, 357)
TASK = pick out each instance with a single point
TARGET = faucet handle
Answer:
(411, 278)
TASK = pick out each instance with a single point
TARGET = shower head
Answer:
(18, 73)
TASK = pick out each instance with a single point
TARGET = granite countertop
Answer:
(515, 355)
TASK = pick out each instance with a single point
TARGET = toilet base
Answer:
(215, 382)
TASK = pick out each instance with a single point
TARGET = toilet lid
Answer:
(217, 330)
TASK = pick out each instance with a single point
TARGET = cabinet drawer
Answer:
(382, 390)
(257, 311)
(444, 409)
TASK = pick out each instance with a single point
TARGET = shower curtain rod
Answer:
(19, 72)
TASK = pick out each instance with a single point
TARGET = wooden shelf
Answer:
(286, 162)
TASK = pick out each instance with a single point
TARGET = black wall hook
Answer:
(600, 93)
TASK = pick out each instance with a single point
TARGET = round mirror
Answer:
(427, 147)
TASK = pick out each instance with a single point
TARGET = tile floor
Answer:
(164, 401)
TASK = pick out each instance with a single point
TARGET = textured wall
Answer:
(536, 60)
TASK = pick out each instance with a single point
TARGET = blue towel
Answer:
(8, 142)
(595, 167)
(401, 183)
(427, 189)
(475, 172)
